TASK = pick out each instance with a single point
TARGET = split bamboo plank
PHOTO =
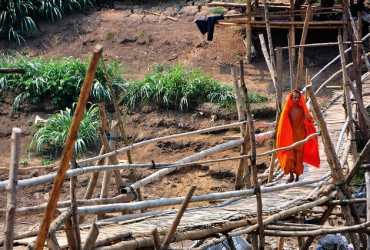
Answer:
(69, 145)
(12, 188)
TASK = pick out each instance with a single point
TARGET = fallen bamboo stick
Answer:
(12, 189)
(177, 219)
(68, 147)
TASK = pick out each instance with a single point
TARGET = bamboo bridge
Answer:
(260, 211)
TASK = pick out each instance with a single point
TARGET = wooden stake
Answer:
(52, 242)
(74, 218)
(256, 185)
(291, 65)
(301, 49)
(176, 222)
(72, 244)
(367, 181)
(68, 147)
(244, 148)
(248, 38)
(156, 239)
(121, 126)
(91, 237)
(292, 33)
(12, 188)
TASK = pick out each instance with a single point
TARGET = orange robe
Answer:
(289, 132)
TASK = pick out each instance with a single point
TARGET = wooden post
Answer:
(292, 30)
(68, 147)
(270, 66)
(301, 49)
(244, 148)
(156, 239)
(248, 38)
(256, 185)
(291, 64)
(347, 98)
(231, 243)
(167, 241)
(94, 177)
(72, 244)
(254, 241)
(281, 243)
(74, 218)
(12, 188)
(334, 165)
(52, 243)
(121, 126)
(269, 38)
(367, 180)
(91, 237)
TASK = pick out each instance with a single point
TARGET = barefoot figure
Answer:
(296, 124)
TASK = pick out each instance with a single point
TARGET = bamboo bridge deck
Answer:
(239, 209)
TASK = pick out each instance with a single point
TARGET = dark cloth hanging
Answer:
(208, 25)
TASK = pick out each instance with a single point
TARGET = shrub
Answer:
(216, 11)
(175, 87)
(52, 136)
(59, 81)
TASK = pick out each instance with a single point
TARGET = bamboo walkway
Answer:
(238, 208)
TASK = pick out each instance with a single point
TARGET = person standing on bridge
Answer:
(296, 124)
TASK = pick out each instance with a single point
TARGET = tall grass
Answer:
(52, 136)
(59, 81)
(175, 87)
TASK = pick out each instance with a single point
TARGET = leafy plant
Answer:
(216, 11)
(59, 81)
(109, 36)
(52, 136)
(176, 87)
(46, 162)
(24, 162)
(17, 16)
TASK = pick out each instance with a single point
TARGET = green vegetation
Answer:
(141, 33)
(216, 11)
(175, 87)
(59, 81)
(52, 136)
(109, 36)
(46, 162)
(17, 17)
(24, 162)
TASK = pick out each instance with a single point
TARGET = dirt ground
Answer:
(139, 39)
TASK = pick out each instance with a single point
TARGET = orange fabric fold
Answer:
(287, 134)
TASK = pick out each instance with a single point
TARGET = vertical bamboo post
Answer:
(256, 185)
(244, 147)
(301, 49)
(156, 239)
(248, 55)
(91, 237)
(347, 98)
(367, 180)
(12, 189)
(68, 147)
(292, 31)
(291, 64)
(75, 219)
(269, 38)
(72, 244)
(334, 164)
(268, 60)
(121, 126)
(167, 241)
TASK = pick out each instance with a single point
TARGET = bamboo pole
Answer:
(71, 137)
(248, 38)
(12, 188)
(359, 103)
(256, 185)
(333, 164)
(268, 60)
(121, 126)
(301, 49)
(243, 163)
(69, 234)
(12, 71)
(156, 239)
(61, 219)
(176, 221)
(361, 158)
(94, 177)
(75, 219)
(91, 237)
(281, 243)
(269, 39)
(291, 65)
(52, 243)
(347, 98)
(292, 34)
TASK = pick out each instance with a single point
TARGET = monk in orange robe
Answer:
(296, 124)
